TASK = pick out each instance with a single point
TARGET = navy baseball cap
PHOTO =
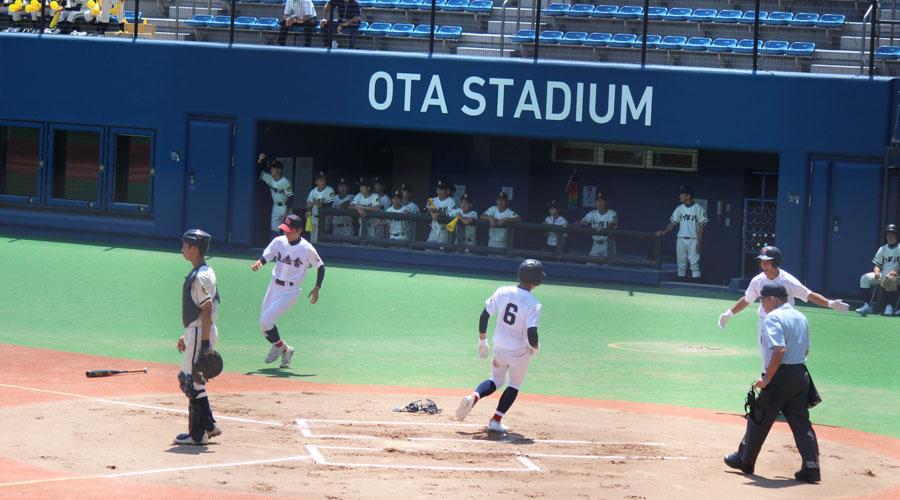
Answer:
(396, 194)
(602, 196)
(365, 181)
(378, 180)
(553, 204)
(321, 173)
(466, 197)
(343, 180)
(502, 195)
(685, 189)
(442, 185)
(406, 187)
(292, 222)
(773, 290)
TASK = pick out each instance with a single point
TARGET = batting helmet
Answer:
(531, 271)
(198, 238)
(770, 253)
(891, 228)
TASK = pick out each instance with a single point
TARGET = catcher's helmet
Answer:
(197, 237)
(531, 271)
(770, 253)
(891, 228)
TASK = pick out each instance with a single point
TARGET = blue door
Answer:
(210, 161)
(843, 224)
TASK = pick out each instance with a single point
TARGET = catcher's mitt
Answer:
(208, 366)
(889, 283)
(428, 406)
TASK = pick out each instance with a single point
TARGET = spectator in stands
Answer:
(398, 229)
(340, 17)
(366, 202)
(599, 219)
(406, 190)
(438, 207)
(500, 215)
(467, 216)
(691, 220)
(343, 225)
(557, 220)
(300, 13)
(320, 196)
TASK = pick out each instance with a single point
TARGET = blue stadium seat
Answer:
(244, 23)
(804, 19)
(556, 9)
(199, 20)
(831, 21)
(220, 22)
(779, 18)
(749, 17)
(387, 4)
(604, 11)
(448, 32)
(551, 36)
(366, 4)
(266, 23)
(573, 38)
(480, 6)
(318, 3)
(699, 43)
(704, 15)
(378, 29)
(271, 1)
(363, 26)
(622, 40)
(628, 12)
(401, 30)
(421, 31)
(259, 1)
(524, 36)
(672, 42)
(722, 45)
(409, 4)
(887, 52)
(678, 14)
(745, 46)
(652, 41)
(580, 10)
(656, 13)
(774, 47)
(802, 49)
(598, 39)
(728, 16)
(455, 5)
(426, 4)
(129, 16)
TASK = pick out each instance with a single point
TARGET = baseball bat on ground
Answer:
(107, 373)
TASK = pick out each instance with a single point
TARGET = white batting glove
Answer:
(724, 317)
(533, 350)
(839, 305)
(483, 348)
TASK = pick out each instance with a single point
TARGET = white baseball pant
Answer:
(278, 213)
(192, 337)
(278, 299)
(513, 364)
(686, 252)
(869, 279)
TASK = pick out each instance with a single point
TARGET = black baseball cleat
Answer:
(734, 462)
(810, 475)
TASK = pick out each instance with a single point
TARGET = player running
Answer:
(515, 341)
(292, 255)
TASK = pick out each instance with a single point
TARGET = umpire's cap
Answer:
(891, 228)
(774, 290)
(198, 238)
(531, 271)
(770, 253)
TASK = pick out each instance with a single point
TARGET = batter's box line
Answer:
(319, 459)
(529, 455)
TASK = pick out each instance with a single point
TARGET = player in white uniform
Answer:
(282, 193)
(397, 229)
(437, 207)
(365, 202)
(343, 224)
(515, 341)
(320, 196)
(886, 261)
(467, 215)
(599, 219)
(199, 311)
(292, 256)
(555, 219)
(379, 186)
(406, 190)
(499, 215)
(770, 265)
(691, 220)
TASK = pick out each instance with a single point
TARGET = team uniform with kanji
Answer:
(281, 191)
(689, 220)
(323, 196)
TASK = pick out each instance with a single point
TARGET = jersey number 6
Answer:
(509, 317)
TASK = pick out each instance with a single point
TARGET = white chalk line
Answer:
(320, 460)
(518, 454)
(210, 466)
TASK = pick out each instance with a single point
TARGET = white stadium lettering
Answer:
(567, 100)
(435, 95)
(475, 96)
(501, 84)
(389, 91)
(408, 78)
(532, 105)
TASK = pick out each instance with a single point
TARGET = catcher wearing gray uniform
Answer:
(515, 341)
(883, 276)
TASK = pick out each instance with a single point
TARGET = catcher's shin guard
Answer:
(197, 418)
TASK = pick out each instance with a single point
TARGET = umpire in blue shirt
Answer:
(785, 387)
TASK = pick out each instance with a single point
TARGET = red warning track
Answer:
(61, 378)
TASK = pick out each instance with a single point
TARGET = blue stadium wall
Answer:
(839, 126)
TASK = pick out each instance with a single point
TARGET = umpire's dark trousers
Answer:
(788, 394)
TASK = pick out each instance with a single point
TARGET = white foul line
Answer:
(528, 463)
(212, 466)
(377, 422)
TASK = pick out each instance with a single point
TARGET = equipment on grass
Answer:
(531, 271)
(107, 373)
(416, 406)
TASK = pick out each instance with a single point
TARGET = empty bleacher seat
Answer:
(622, 40)
(551, 36)
(387, 4)
(699, 43)
(580, 10)
(378, 29)
(366, 4)
(448, 32)
(652, 41)
(598, 39)
(774, 47)
(673, 42)
(678, 14)
(480, 6)
(779, 18)
(556, 9)
(604, 11)
(455, 5)
(409, 4)
(656, 13)
(831, 21)
(887, 52)
(573, 38)
(722, 45)
(704, 15)
(749, 17)
(266, 23)
(745, 46)
(728, 16)
(803, 49)
(318, 3)
(524, 36)
(400, 29)
(628, 12)
(199, 20)
(426, 4)
(421, 31)
(804, 19)
(244, 23)
(220, 22)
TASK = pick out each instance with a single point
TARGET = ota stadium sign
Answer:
(512, 98)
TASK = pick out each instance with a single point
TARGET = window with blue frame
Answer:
(76, 166)
(132, 168)
(20, 160)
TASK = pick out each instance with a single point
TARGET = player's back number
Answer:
(509, 317)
